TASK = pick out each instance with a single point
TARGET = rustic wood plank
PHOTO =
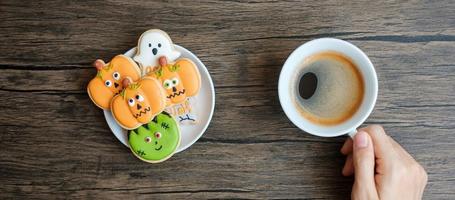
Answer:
(81, 32)
(55, 142)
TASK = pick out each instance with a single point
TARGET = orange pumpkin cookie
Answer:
(138, 103)
(180, 80)
(107, 82)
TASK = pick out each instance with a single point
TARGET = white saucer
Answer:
(204, 106)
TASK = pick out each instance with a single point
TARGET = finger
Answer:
(364, 161)
(348, 168)
(347, 147)
(382, 146)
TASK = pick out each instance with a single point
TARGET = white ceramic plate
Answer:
(204, 105)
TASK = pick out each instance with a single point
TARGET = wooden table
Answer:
(55, 142)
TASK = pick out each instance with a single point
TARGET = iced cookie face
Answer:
(138, 103)
(156, 141)
(153, 44)
(108, 81)
(180, 80)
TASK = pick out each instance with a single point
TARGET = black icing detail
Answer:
(159, 45)
(176, 94)
(155, 119)
(164, 125)
(166, 113)
(129, 133)
(140, 152)
(142, 112)
(157, 149)
(145, 126)
(135, 131)
(187, 117)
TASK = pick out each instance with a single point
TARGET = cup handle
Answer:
(352, 133)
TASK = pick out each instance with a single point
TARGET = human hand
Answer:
(382, 168)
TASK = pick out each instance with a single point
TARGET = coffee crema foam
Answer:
(339, 91)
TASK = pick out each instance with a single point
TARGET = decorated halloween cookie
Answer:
(108, 80)
(138, 103)
(180, 80)
(157, 140)
(153, 44)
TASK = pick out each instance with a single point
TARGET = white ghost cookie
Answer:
(153, 44)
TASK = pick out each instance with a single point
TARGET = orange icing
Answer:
(138, 103)
(108, 81)
(179, 80)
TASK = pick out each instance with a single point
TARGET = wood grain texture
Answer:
(55, 142)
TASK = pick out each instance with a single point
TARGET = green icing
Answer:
(122, 93)
(144, 141)
(134, 86)
(175, 67)
(99, 74)
(159, 72)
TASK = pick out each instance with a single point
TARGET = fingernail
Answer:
(361, 140)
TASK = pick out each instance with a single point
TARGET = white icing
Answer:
(151, 40)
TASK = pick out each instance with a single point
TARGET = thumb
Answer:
(364, 160)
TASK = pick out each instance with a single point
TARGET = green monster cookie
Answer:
(157, 140)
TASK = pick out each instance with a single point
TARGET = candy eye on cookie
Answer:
(131, 102)
(158, 135)
(175, 81)
(175, 90)
(139, 98)
(108, 83)
(116, 75)
(180, 79)
(167, 84)
(152, 142)
(136, 100)
(171, 84)
(139, 106)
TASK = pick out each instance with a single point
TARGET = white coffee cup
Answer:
(363, 64)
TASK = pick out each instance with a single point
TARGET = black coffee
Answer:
(329, 88)
(307, 85)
